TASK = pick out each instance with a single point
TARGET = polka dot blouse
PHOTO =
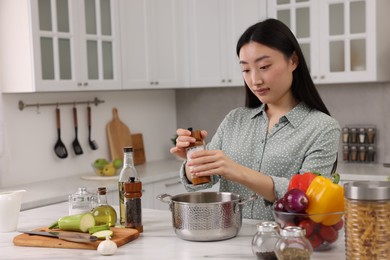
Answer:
(303, 140)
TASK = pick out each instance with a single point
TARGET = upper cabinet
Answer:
(59, 45)
(214, 29)
(343, 41)
(152, 43)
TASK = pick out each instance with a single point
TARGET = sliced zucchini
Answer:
(102, 234)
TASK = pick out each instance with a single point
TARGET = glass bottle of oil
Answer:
(128, 171)
(104, 213)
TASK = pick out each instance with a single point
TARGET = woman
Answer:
(284, 128)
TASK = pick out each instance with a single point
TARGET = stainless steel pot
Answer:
(206, 216)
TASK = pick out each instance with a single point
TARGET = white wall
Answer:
(29, 136)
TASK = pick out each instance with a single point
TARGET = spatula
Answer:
(92, 143)
(76, 144)
(59, 147)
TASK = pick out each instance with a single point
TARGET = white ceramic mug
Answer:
(10, 203)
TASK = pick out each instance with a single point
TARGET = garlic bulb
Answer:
(107, 247)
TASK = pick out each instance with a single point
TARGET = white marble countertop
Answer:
(158, 241)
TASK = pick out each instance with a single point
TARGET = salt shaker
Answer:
(265, 239)
(293, 244)
(81, 201)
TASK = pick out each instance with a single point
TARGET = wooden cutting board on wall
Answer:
(119, 136)
(121, 236)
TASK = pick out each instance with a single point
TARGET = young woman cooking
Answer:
(284, 128)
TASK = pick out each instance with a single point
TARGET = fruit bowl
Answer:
(102, 172)
(322, 237)
(103, 167)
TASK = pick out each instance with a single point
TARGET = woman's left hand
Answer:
(213, 162)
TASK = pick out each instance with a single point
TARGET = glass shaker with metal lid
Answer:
(293, 244)
(367, 220)
(265, 239)
(81, 201)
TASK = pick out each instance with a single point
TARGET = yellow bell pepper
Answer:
(325, 196)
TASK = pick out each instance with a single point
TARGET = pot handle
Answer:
(253, 197)
(162, 197)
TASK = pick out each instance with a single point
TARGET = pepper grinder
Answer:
(133, 209)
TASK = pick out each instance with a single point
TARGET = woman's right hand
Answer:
(183, 140)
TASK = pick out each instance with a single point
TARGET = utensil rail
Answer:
(23, 105)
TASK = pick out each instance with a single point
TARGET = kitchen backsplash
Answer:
(30, 135)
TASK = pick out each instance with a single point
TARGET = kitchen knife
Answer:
(69, 236)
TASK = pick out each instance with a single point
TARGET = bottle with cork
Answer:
(133, 209)
(193, 147)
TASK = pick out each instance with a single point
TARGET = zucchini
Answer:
(103, 234)
(79, 222)
(95, 229)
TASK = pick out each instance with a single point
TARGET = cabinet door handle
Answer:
(223, 81)
(79, 84)
(85, 84)
(229, 80)
(167, 185)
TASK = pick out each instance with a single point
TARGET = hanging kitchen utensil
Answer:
(92, 143)
(76, 145)
(59, 147)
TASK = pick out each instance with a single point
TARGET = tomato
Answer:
(315, 240)
(339, 225)
(328, 233)
(309, 225)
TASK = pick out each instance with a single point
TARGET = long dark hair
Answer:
(277, 35)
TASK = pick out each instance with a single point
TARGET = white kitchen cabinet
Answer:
(59, 45)
(152, 43)
(343, 41)
(214, 29)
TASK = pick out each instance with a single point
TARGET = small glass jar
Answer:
(345, 135)
(293, 244)
(265, 239)
(81, 201)
(367, 229)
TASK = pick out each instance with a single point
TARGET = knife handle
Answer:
(77, 237)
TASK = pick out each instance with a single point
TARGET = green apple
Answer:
(118, 163)
(100, 163)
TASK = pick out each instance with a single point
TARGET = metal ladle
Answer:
(76, 144)
(59, 147)
(92, 143)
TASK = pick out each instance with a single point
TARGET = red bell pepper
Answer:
(302, 181)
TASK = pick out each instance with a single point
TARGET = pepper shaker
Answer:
(265, 239)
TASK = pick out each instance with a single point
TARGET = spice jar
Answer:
(345, 153)
(362, 153)
(367, 216)
(265, 239)
(132, 201)
(193, 147)
(354, 136)
(293, 244)
(354, 153)
(370, 135)
(345, 135)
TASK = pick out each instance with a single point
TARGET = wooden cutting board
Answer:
(118, 135)
(121, 236)
(138, 149)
